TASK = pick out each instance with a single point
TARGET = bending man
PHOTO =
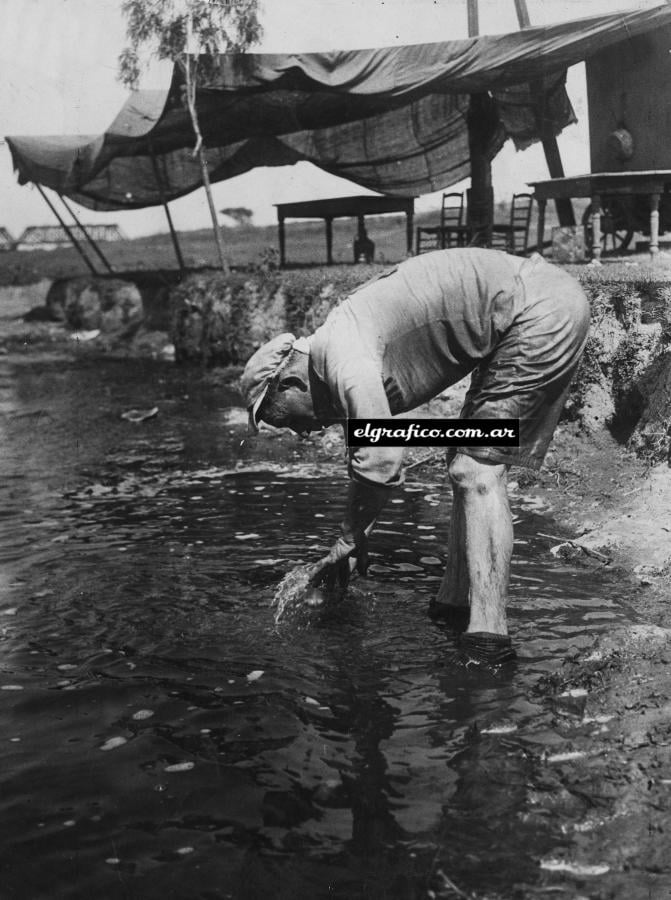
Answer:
(518, 325)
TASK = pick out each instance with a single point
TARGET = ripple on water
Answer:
(139, 746)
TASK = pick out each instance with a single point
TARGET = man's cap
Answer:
(261, 369)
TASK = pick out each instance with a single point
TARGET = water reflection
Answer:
(164, 738)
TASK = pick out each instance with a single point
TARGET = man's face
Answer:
(300, 415)
(297, 411)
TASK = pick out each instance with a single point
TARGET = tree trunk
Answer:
(200, 152)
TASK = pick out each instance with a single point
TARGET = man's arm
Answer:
(356, 386)
(365, 501)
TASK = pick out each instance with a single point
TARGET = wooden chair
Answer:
(513, 236)
(451, 231)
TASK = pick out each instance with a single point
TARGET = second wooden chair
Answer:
(450, 233)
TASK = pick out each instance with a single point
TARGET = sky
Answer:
(58, 71)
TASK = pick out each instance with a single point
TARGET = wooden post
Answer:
(409, 220)
(88, 237)
(161, 192)
(473, 19)
(329, 240)
(540, 226)
(481, 194)
(563, 205)
(596, 226)
(67, 230)
(549, 141)
(280, 230)
(522, 14)
(654, 224)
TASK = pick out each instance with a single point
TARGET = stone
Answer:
(86, 303)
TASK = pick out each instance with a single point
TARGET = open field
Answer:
(245, 247)
(248, 246)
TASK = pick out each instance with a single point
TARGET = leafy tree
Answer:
(190, 33)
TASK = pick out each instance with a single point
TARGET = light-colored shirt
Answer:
(411, 333)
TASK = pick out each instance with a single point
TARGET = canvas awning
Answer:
(391, 119)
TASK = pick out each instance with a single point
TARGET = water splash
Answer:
(295, 591)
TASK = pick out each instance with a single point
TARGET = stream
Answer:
(162, 737)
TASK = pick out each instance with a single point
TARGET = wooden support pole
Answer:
(550, 146)
(281, 235)
(473, 19)
(555, 166)
(329, 240)
(361, 227)
(522, 13)
(173, 233)
(67, 230)
(480, 195)
(654, 224)
(540, 225)
(596, 226)
(88, 237)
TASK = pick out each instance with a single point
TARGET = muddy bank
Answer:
(610, 772)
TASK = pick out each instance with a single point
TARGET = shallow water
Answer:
(162, 738)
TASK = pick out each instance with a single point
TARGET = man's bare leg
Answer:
(454, 588)
(481, 542)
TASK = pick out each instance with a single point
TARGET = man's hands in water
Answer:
(350, 552)
(343, 559)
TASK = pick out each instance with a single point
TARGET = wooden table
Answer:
(650, 183)
(344, 207)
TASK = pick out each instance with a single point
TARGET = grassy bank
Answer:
(245, 247)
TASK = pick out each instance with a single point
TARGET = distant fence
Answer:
(6, 240)
(48, 237)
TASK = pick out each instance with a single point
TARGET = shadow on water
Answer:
(162, 738)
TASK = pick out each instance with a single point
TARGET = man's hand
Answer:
(333, 571)
(350, 551)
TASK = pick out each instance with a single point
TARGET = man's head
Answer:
(276, 385)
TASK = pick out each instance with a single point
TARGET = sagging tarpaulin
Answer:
(391, 119)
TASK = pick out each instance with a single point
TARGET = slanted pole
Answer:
(522, 14)
(553, 159)
(473, 19)
(173, 233)
(67, 230)
(88, 237)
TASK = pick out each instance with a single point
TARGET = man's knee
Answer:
(470, 474)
